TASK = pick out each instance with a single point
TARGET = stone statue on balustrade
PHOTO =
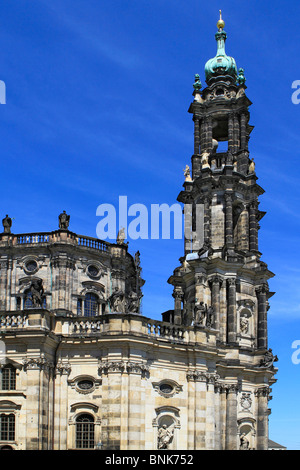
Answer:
(64, 220)
(7, 223)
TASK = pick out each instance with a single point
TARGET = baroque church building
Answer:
(82, 368)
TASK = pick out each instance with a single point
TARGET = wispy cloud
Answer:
(87, 34)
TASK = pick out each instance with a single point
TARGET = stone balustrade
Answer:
(57, 236)
(108, 325)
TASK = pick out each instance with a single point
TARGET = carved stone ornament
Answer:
(202, 376)
(63, 368)
(129, 367)
(262, 392)
(268, 360)
(37, 363)
(246, 401)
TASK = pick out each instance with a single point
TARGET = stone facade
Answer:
(81, 367)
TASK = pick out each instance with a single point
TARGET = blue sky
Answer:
(97, 95)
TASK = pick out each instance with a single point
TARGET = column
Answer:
(230, 132)
(200, 411)
(231, 418)
(209, 134)
(223, 311)
(211, 415)
(206, 202)
(216, 282)
(262, 395)
(253, 226)
(236, 131)
(111, 403)
(231, 311)
(188, 219)
(243, 132)
(191, 410)
(178, 297)
(228, 220)
(262, 308)
(196, 135)
(136, 408)
(60, 428)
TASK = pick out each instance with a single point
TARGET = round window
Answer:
(93, 271)
(31, 266)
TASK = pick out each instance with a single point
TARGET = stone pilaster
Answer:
(262, 395)
(231, 417)
(178, 298)
(253, 226)
(231, 311)
(61, 412)
(216, 282)
(262, 308)
(228, 220)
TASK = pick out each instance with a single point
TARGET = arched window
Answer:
(8, 381)
(85, 432)
(91, 305)
(7, 427)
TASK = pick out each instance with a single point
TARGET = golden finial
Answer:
(221, 22)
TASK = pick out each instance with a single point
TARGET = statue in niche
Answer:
(210, 316)
(268, 360)
(36, 290)
(133, 302)
(7, 223)
(244, 325)
(117, 301)
(244, 443)
(200, 314)
(165, 436)
(64, 220)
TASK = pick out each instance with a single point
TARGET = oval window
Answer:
(85, 384)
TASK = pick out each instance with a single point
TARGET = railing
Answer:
(48, 237)
(90, 242)
(86, 326)
(167, 331)
(13, 321)
(33, 238)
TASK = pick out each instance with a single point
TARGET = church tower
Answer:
(222, 283)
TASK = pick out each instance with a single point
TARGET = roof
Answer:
(274, 445)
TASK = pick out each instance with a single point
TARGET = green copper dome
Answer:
(221, 64)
